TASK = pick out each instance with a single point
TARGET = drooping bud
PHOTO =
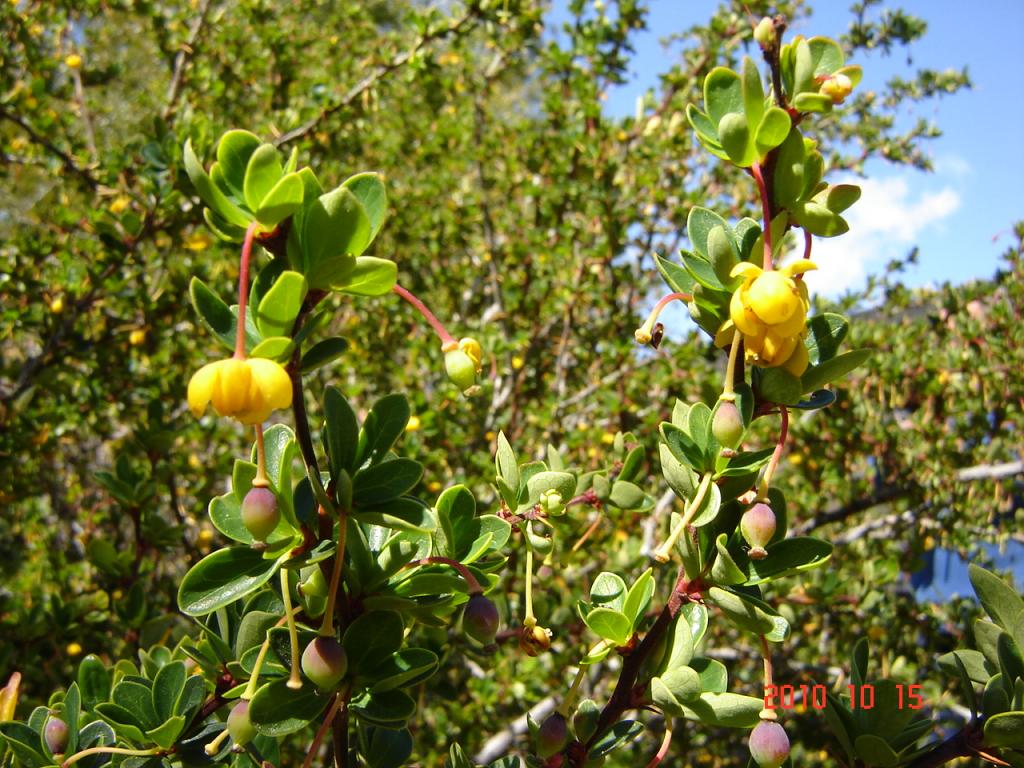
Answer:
(837, 87)
(764, 33)
(260, 514)
(325, 662)
(552, 736)
(239, 725)
(534, 640)
(480, 620)
(757, 526)
(56, 735)
(769, 745)
(727, 424)
(461, 371)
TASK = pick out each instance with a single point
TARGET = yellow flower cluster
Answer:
(770, 310)
(247, 390)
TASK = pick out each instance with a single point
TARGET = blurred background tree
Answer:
(521, 212)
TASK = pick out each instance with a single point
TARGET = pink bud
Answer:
(769, 745)
(259, 512)
(757, 526)
(325, 662)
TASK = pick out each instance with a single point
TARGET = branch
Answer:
(963, 743)
(499, 743)
(181, 61)
(454, 27)
(66, 159)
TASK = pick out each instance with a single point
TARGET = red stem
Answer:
(471, 582)
(666, 743)
(446, 338)
(321, 732)
(762, 188)
(807, 244)
(666, 300)
(243, 289)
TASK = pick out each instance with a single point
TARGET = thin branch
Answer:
(456, 26)
(66, 159)
(185, 55)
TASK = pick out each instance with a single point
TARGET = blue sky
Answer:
(961, 215)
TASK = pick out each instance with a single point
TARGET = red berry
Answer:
(324, 662)
(259, 512)
(757, 526)
(769, 745)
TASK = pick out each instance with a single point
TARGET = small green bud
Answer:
(764, 33)
(260, 514)
(552, 736)
(324, 662)
(239, 725)
(462, 371)
(551, 503)
(769, 745)
(727, 424)
(584, 720)
(56, 735)
(757, 526)
(480, 619)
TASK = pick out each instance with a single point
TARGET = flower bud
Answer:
(461, 371)
(757, 526)
(551, 503)
(480, 620)
(769, 745)
(727, 424)
(764, 33)
(324, 662)
(56, 735)
(552, 736)
(837, 87)
(260, 514)
(534, 640)
(239, 725)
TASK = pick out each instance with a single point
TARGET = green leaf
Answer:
(210, 193)
(826, 56)
(825, 334)
(610, 624)
(262, 174)
(812, 102)
(1005, 730)
(839, 197)
(383, 426)
(168, 732)
(168, 686)
(213, 312)
(722, 255)
(93, 681)
(819, 220)
(385, 481)
(777, 385)
(788, 180)
(335, 225)
(772, 130)
(341, 431)
(675, 276)
(281, 202)
(747, 462)
(702, 124)
(627, 496)
(233, 152)
(788, 557)
(818, 375)
(387, 747)
(887, 718)
(699, 224)
(370, 277)
(322, 353)
(679, 685)
(753, 92)
(1000, 602)
(875, 751)
(608, 591)
(803, 68)
(618, 735)
(277, 348)
(562, 483)
(723, 93)
(403, 514)
(391, 708)
(138, 699)
(405, 669)
(24, 744)
(740, 611)
(639, 597)
(281, 304)
(124, 723)
(371, 638)
(730, 710)
(736, 139)
(724, 570)
(683, 447)
(223, 577)
(369, 189)
(277, 710)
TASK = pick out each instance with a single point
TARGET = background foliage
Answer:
(522, 213)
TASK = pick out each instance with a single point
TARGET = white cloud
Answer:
(884, 224)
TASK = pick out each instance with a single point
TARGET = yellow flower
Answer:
(73, 61)
(247, 390)
(136, 337)
(73, 649)
(770, 311)
(120, 204)
(57, 305)
(197, 241)
(413, 425)
(9, 696)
